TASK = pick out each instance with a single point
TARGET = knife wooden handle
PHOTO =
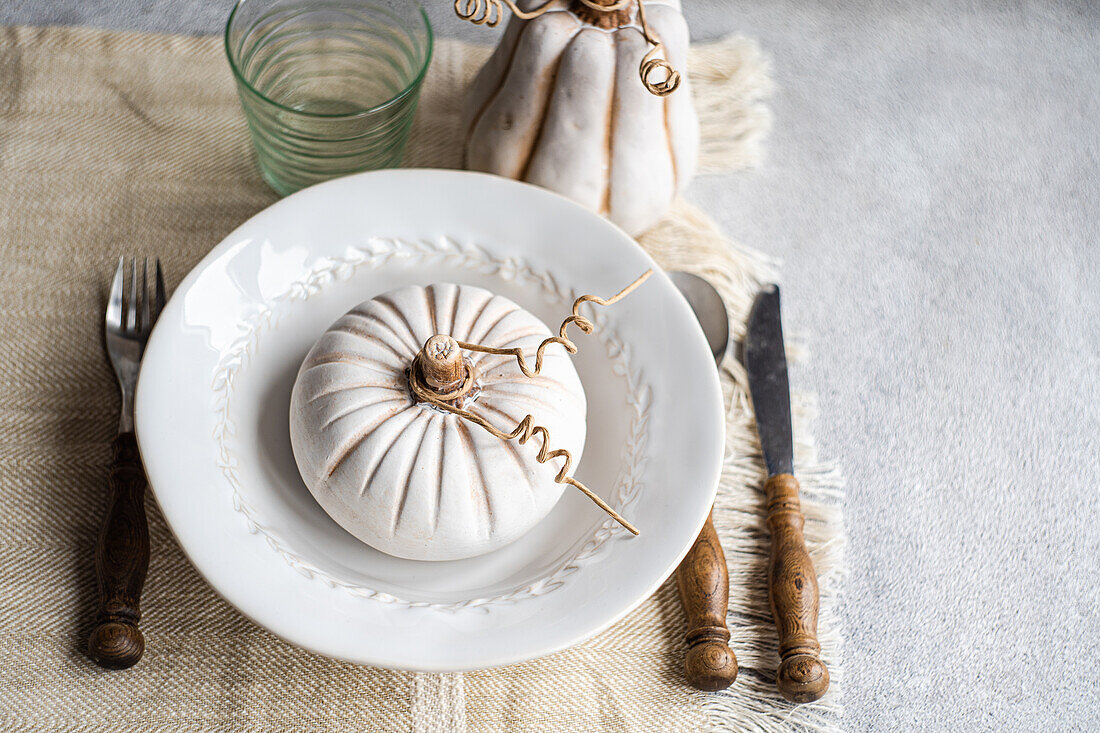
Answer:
(792, 588)
(704, 592)
(121, 559)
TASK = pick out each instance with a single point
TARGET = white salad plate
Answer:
(213, 424)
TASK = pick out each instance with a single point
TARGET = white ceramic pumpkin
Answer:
(560, 104)
(408, 478)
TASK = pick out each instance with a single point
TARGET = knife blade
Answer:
(792, 582)
(766, 364)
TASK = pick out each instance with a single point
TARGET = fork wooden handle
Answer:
(121, 559)
(792, 587)
(704, 592)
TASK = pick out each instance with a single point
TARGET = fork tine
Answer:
(131, 307)
(160, 292)
(114, 301)
(146, 321)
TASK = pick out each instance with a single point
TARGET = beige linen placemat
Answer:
(120, 142)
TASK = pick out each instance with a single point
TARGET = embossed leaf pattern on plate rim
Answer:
(376, 254)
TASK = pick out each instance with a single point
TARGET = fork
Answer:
(122, 551)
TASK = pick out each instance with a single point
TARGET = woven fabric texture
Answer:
(116, 143)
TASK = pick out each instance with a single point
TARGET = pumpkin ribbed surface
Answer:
(409, 479)
(560, 104)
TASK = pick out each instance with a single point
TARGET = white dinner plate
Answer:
(214, 394)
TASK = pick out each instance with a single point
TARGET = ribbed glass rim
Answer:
(430, 42)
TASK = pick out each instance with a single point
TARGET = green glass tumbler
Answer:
(328, 87)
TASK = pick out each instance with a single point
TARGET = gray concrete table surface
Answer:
(932, 188)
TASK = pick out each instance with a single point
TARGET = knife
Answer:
(792, 583)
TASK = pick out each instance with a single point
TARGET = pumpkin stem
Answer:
(605, 19)
(440, 370)
(441, 363)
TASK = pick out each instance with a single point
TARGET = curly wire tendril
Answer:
(489, 12)
(653, 61)
(479, 12)
(526, 428)
(581, 322)
(656, 72)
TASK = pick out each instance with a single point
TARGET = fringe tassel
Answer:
(731, 79)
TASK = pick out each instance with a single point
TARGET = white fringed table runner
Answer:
(122, 142)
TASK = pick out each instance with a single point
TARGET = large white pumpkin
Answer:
(560, 104)
(405, 477)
